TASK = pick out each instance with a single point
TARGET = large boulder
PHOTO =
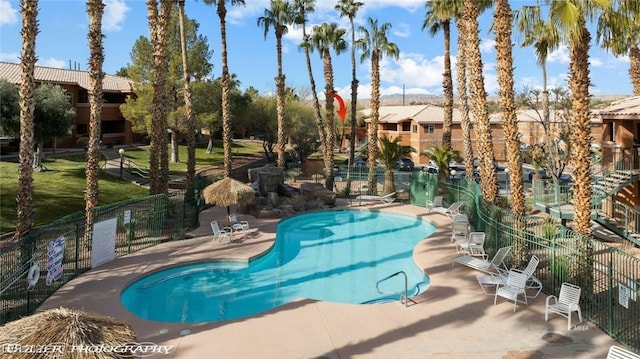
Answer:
(317, 192)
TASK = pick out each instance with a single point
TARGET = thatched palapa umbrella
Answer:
(227, 192)
(69, 334)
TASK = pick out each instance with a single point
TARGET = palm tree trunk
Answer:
(330, 114)
(481, 123)
(95, 9)
(447, 86)
(463, 101)
(280, 103)
(188, 108)
(226, 102)
(373, 124)
(24, 197)
(354, 104)
(634, 68)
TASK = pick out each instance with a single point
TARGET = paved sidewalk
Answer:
(452, 319)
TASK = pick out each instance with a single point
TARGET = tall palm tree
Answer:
(374, 45)
(619, 31)
(463, 99)
(304, 7)
(24, 197)
(481, 123)
(441, 155)
(278, 16)
(502, 18)
(324, 38)
(390, 151)
(438, 17)
(349, 8)
(188, 107)
(95, 10)
(159, 19)
(226, 87)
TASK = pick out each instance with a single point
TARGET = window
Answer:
(429, 128)
(406, 126)
(414, 129)
(69, 97)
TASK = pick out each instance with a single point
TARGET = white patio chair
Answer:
(220, 234)
(437, 202)
(237, 225)
(459, 231)
(451, 210)
(473, 245)
(616, 352)
(496, 266)
(513, 288)
(489, 281)
(387, 198)
(567, 302)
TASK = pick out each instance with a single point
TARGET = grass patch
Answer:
(60, 190)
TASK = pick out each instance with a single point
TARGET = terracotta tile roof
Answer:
(11, 72)
(625, 108)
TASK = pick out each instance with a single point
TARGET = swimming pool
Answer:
(334, 256)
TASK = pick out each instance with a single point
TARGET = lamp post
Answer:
(453, 179)
(121, 152)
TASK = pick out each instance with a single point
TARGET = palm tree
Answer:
(441, 155)
(278, 16)
(502, 29)
(374, 45)
(226, 87)
(390, 151)
(324, 38)
(438, 17)
(304, 7)
(95, 10)
(619, 31)
(349, 8)
(481, 123)
(159, 19)
(463, 100)
(24, 197)
(188, 108)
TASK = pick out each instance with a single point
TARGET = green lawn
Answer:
(60, 190)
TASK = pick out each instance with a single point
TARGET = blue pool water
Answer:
(334, 256)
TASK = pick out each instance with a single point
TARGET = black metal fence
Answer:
(139, 223)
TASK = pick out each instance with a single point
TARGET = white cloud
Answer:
(8, 15)
(114, 15)
(10, 57)
(596, 62)
(413, 70)
(487, 45)
(560, 55)
(402, 30)
(52, 62)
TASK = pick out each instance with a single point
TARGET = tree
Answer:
(95, 10)
(9, 108)
(463, 101)
(619, 32)
(188, 106)
(159, 19)
(438, 17)
(24, 197)
(481, 123)
(324, 38)
(441, 155)
(300, 126)
(349, 8)
(502, 29)
(226, 88)
(278, 16)
(390, 151)
(374, 45)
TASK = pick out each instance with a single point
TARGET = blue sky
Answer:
(63, 39)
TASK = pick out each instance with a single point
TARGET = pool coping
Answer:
(466, 321)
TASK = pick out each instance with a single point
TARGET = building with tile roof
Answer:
(115, 130)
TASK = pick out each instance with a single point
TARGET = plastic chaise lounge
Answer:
(387, 198)
(496, 280)
(495, 266)
(451, 210)
(237, 225)
(616, 352)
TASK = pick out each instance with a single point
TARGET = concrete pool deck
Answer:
(452, 319)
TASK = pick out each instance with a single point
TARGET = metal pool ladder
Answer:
(404, 298)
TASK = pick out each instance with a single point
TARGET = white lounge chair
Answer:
(473, 245)
(237, 225)
(451, 210)
(220, 234)
(437, 202)
(387, 198)
(616, 352)
(496, 266)
(459, 231)
(568, 301)
(489, 281)
(513, 288)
